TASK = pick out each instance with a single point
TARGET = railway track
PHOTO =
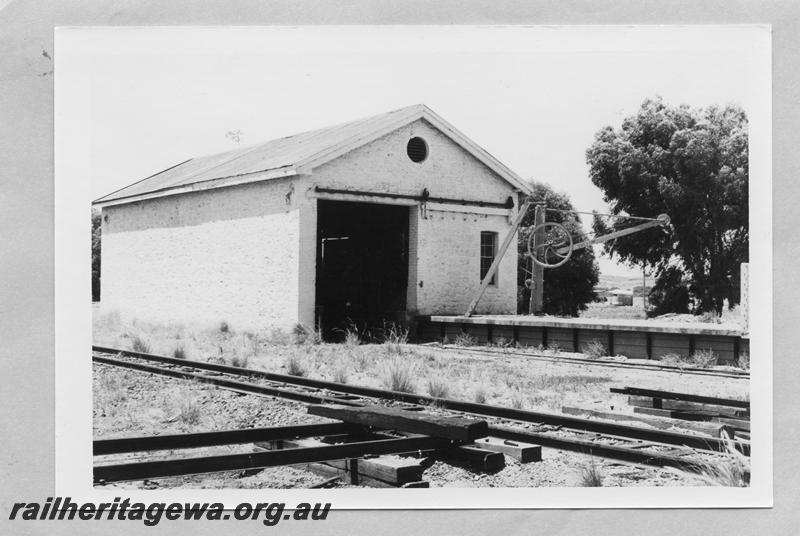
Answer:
(495, 352)
(603, 439)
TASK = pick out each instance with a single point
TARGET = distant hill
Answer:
(622, 282)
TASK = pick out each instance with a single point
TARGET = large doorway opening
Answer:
(362, 267)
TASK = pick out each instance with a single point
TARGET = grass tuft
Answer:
(139, 344)
(179, 352)
(438, 387)
(189, 411)
(111, 393)
(303, 334)
(731, 469)
(591, 475)
(351, 337)
(279, 337)
(340, 374)
(295, 365)
(595, 349)
(480, 394)
(241, 361)
(394, 337)
(398, 375)
(502, 342)
(465, 339)
(517, 400)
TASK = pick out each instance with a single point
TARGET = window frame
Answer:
(489, 258)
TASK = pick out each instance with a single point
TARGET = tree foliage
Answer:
(670, 294)
(568, 288)
(96, 230)
(691, 164)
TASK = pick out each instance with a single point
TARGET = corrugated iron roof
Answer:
(284, 154)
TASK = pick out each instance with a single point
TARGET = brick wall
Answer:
(444, 246)
(449, 264)
(229, 255)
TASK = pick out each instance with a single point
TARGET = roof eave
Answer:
(224, 182)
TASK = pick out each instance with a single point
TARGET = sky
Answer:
(141, 100)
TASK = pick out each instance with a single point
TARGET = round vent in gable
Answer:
(417, 149)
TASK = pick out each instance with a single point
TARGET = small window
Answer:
(417, 149)
(488, 253)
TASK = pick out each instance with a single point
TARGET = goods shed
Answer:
(373, 221)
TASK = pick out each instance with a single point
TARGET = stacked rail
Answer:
(731, 412)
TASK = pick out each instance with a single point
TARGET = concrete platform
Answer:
(636, 339)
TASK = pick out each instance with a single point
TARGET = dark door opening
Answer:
(362, 267)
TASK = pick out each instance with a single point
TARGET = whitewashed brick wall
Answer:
(445, 245)
(448, 273)
(228, 255)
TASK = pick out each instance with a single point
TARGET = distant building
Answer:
(620, 297)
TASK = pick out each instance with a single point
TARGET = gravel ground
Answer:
(131, 403)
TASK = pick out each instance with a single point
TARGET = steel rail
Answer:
(241, 387)
(633, 455)
(238, 462)
(209, 439)
(483, 410)
(597, 362)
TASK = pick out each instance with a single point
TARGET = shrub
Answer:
(591, 476)
(179, 352)
(704, 358)
(595, 350)
(437, 387)
(744, 361)
(674, 360)
(398, 375)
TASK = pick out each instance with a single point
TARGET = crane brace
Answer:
(550, 245)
